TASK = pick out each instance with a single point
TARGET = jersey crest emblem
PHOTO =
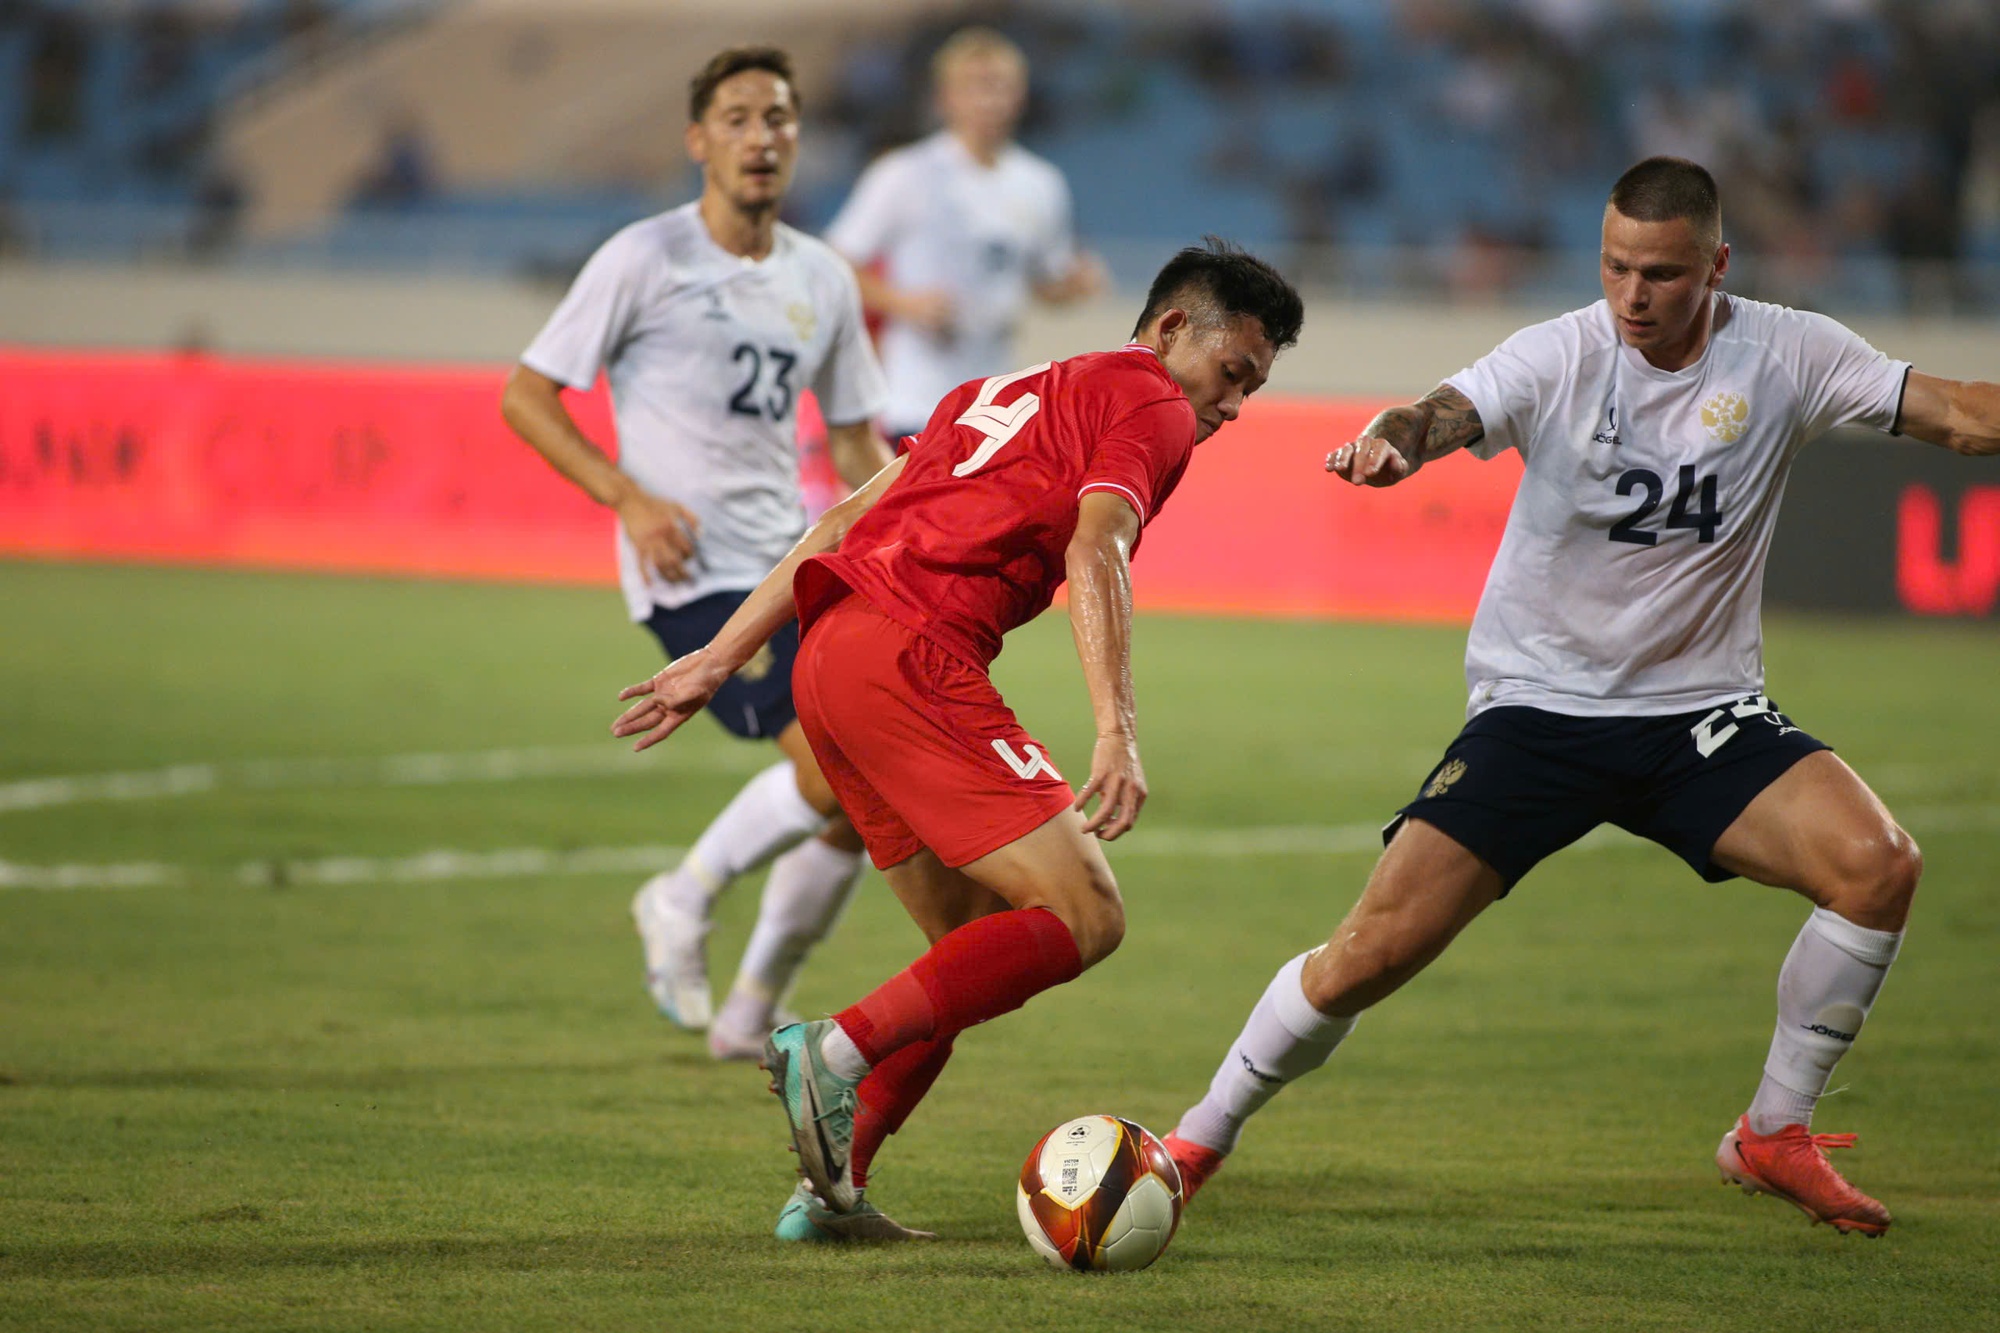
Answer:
(1726, 416)
(759, 665)
(804, 320)
(1442, 782)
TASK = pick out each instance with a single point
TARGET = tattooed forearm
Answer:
(1455, 422)
(1433, 426)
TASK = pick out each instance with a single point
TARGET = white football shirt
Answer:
(1631, 576)
(707, 353)
(935, 218)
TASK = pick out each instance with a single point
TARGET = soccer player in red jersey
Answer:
(903, 592)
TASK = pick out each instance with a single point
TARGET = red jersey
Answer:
(969, 541)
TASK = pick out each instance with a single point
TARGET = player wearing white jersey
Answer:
(709, 321)
(1616, 667)
(966, 227)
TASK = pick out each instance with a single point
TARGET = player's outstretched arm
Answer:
(684, 688)
(929, 308)
(1961, 415)
(663, 532)
(1099, 566)
(1403, 439)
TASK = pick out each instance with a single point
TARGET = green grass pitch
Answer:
(249, 1094)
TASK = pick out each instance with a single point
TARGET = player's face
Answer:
(748, 140)
(982, 95)
(1657, 277)
(1217, 366)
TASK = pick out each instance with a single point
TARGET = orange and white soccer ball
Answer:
(1099, 1194)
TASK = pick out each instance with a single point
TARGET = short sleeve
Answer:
(1843, 381)
(1143, 455)
(1509, 384)
(850, 383)
(595, 317)
(1056, 255)
(867, 223)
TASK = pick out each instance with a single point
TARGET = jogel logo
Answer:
(759, 665)
(1726, 416)
(1447, 775)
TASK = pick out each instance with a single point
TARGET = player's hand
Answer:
(1119, 785)
(670, 698)
(1368, 461)
(929, 309)
(663, 533)
(1087, 277)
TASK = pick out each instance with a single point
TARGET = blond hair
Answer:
(976, 44)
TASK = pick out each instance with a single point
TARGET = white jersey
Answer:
(1631, 576)
(707, 353)
(935, 218)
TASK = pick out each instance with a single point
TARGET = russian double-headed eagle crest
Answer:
(1441, 781)
(1726, 416)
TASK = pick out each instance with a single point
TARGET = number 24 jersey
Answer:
(970, 540)
(1630, 579)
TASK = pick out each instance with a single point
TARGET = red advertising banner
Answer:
(370, 468)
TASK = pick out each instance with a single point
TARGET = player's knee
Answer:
(1095, 916)
(1099, 931)
(1877, 877)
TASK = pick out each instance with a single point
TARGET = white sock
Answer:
(803, 898)
(1828, 984)
(1284, 1038)
(765, 818)
(839, 1053)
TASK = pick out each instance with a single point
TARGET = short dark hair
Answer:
(730, 62)
(1235, 281)
(1661, 189)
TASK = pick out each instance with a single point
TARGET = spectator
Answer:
(402, 174)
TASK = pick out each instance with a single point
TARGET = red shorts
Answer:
(917, 743)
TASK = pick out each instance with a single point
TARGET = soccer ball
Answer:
(1099, 1194)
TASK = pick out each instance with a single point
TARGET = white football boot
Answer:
(676, 944)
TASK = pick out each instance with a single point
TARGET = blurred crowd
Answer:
(1841, 130)
(1456, 143)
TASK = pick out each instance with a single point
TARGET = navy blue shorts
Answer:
(756, 702)
(1520, 784)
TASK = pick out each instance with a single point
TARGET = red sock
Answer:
(982, 970)
(888, 1095)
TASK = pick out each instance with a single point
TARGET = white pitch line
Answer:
(445, 864)
(394, 770)
(129, 875)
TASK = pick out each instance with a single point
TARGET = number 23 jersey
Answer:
(970, 540)
(707, 353)
(1630, 579)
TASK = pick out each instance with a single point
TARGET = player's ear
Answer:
(1170, 326)
(1721, 265)
(696, 142)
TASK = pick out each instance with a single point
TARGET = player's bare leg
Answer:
(1819, 831)
(1060, 869)
(938, 898)
(1030, 915)
(1424, 890)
